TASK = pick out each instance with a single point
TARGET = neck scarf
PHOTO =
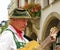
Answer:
(19, 33)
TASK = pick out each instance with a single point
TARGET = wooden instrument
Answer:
(30, 45)
(34, 45)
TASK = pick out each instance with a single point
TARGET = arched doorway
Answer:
(52, 19)
(52, 23)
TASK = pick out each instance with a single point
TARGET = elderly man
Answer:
(12, 38)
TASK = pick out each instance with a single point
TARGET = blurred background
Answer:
(44, 17)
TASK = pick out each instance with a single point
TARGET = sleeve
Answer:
(7, 41)
(28, 38)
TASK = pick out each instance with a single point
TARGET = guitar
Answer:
(34, 45)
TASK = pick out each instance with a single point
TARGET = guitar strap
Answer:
(18, 44)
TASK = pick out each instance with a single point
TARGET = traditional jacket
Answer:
(9, 39)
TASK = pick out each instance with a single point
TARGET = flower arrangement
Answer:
(33, 9)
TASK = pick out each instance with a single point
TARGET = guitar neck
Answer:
(45, 43)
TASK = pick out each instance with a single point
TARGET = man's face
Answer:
(20, 24)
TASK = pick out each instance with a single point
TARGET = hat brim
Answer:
(20, 17)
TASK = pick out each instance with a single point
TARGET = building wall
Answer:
(49, 13)
(12, 6)
(50, 16)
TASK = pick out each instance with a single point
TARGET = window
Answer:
(45, 3)
(21, 3)
(51, 1)
(26, 0)
(37, 2)
(32, 1)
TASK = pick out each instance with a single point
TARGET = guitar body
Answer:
(30, 45)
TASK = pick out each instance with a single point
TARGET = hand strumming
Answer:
(53, 33)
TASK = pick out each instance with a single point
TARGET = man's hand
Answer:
(53, 33)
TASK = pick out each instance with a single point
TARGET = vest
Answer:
(18, 44)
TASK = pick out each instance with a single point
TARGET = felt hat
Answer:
(19, 13)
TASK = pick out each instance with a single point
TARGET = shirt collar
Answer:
(11, 28)
(15, 30)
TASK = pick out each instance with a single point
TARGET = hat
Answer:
(20, 13)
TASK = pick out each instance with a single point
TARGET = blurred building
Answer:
(50, 16)
(19, 4)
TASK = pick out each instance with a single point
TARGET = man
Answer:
(12, 38)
